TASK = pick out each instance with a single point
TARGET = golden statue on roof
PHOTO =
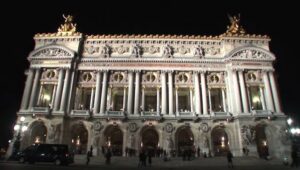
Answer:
(235, 27)
(68, 26)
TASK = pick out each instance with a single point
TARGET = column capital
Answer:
(267, 70)
(170, 71)
(202, 71)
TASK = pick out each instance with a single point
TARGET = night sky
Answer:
(20, 21)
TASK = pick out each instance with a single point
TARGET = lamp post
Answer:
(18, 128)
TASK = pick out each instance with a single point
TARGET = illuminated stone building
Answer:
(133, 92)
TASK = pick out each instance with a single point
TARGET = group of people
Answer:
(143, 158)
(107, 153)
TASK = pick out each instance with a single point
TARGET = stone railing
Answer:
(80, 113)
(41, 110)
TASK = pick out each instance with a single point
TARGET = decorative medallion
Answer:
(132, 127)
(97, 126)
(169, 127)
(204, 127)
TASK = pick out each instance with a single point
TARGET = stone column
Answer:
(92, 98)
(191, 99)
(203, 89)
(65, 91)
(27, 90)
(34, 88)
(262, 98)
(103, 93)
(176, 101)
(224, 100)
(170, 81)
(243, 92)
(59, 89)
(143, 98)
(275, 92)
(40, 95)
(97, 92)
(109, 103)
(209, 101)
(236, 92)
(228, 93)
(164, 92)
(137, 93)
(268, 93)
(197, 93)
(130, 93)
(158, 100)
(124, 98)
(53, 95)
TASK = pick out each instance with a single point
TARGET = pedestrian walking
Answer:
(229, 159)
(108, 156)
(88, 155)
(294, 158)
(149, 159)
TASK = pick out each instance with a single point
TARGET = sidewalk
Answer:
(178, 162)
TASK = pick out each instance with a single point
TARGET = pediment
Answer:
(53, 51)
(251, 53)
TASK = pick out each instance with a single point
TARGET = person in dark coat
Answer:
(88, 156)
(108, 156)
(294, 158)
(229, 159)
(149, 158)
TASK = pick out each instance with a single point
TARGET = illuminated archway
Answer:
(184, 140)
(149, 138)
(261, 140)
(38, 133)
(79, 136)
(114, 139)
(219, 141)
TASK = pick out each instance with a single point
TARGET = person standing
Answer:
(294, 158)
(149, 158)
(229, 159)
(108, 156)
(88, 155)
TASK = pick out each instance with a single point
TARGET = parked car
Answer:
(57, 153)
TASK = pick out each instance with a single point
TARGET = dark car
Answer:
(57, 153)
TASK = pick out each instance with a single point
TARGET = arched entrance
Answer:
(149, 139)
(220, 141)
(261, 141)
(79, 136)
(184, 140)
(114, 139)
(38, 133)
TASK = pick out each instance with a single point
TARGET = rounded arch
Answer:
(265, 139)
(184, 140)
(114, 139)
(237, 52)
(79, 138)
(149, 138)
(220, 140)
(38, 132)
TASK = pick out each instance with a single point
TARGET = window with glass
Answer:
(150, 103)
(184, 103)
(83, 98)
(216, 100)
(117, 102)
(46, 95)
(255, 98)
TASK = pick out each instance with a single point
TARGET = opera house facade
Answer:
(157, 92)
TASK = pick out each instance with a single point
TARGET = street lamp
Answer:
(18, 128)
